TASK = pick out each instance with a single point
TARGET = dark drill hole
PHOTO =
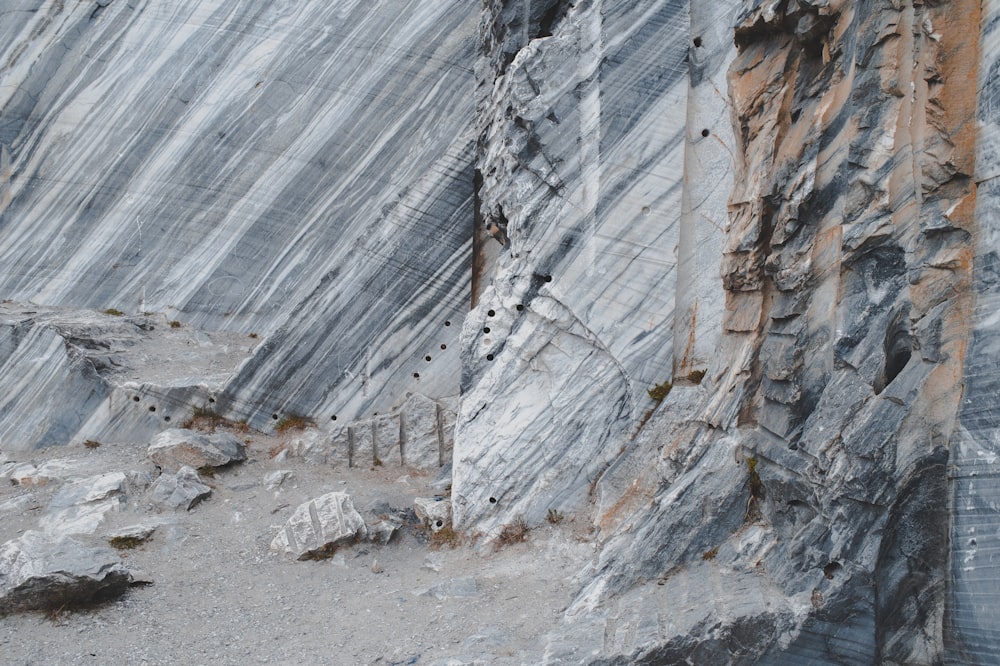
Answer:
(520, 308)
(491, 313)
(416, 375)
(697, 42)
(493, 500)
(333, 418)
(427, 358)
(135, 399)
(167, 419)
(486, 329)
(548, 278)
(211, 399)
(489, 357)
(274, 417)
(705, 132)
(444, 346)
(152, 408)
(831, 569)
(447, 323)
(439, 523)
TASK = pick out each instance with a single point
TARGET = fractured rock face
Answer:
(320, 526)
(42, 572)
(175, 448)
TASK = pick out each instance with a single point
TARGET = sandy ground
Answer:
(219, 595)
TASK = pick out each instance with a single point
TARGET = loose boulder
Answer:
(175, 448)
(320, 526)
(179, 491)
(40, 571)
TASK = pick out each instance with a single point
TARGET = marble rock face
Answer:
(581, 118)
(783, 209)
(299, 172)
(825, 499)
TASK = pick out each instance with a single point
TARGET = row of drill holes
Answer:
(416, 375)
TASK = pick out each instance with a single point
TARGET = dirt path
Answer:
(221, 596)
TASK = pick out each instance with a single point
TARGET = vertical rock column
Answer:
(708, 180)
(580, 109)
(972, 634)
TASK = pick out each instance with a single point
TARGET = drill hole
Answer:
(705, 133)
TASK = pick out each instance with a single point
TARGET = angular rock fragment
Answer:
(435, 512)
(41, 571)
(383, 531)
(175, 448)
(60, 469)
(131, 536)
(179, 491)
(320, 526)
(275, 479)
(80, 507)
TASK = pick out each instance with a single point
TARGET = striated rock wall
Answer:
(298, 171)
(784, 208)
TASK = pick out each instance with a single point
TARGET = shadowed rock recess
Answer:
(780, 213)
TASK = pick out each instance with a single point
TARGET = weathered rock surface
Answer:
(182, 490)
(44, 572)
(320, 526)
(80, 507)
(176, 448)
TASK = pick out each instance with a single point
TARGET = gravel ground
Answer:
(219, 594)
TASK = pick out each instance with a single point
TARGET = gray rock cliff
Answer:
(479, 234)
